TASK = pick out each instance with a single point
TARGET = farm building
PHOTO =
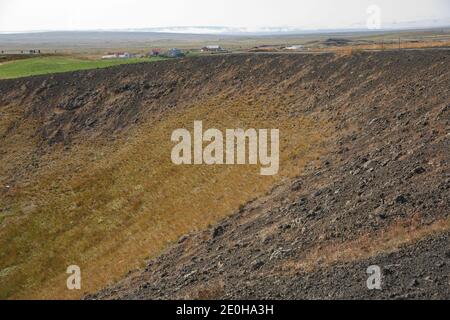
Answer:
(155, 52)
(118, 55)
(125, 55)
(213, 48)
(174, 53)
(295, 47)
(109, 56)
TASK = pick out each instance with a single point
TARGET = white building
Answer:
(109, 56)
(119, 55)
(213, 48)
(295, 47)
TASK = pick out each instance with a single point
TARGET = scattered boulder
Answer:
(257, 265)
(413, 283)
(447, 254)
(401, 199)
(419, 170)
(218, 231)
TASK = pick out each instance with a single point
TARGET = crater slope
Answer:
(86, 179)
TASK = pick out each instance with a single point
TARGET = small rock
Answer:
(447, 254)
(297, 185)
(218, 231)
(373, 121)
(401, 199)
(382, 215)
(419, 170)
(285, 226)
(388, 270)
(182, 239)
(190, 274)
(311, 214)
(317, 193)
(414, 283)
(257, 265)
(267, 239)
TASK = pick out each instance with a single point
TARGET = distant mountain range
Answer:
(437, 23)
(224, 30)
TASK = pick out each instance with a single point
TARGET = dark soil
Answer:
(419, 271)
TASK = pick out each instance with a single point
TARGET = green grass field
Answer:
(46, 65)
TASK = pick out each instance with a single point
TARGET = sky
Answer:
(247, 15)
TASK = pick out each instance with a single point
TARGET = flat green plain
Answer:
(57, 64)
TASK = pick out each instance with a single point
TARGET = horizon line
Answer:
(224, 30)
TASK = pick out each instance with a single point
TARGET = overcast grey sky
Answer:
(32, 15)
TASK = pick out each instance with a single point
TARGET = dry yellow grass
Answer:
(107, 207)
(349, 50)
